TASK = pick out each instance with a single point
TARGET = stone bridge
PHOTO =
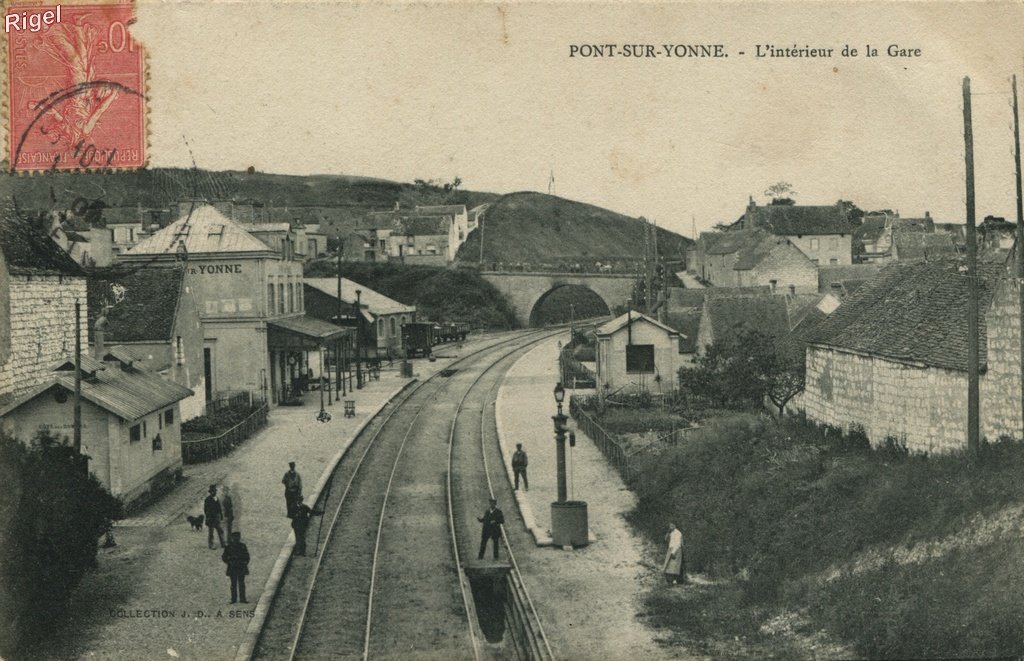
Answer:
(526, 290)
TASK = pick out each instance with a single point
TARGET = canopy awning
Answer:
(302, 333)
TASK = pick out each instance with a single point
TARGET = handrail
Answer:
(198, 448)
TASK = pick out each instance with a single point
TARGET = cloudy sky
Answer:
(489, 93)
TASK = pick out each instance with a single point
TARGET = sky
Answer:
(489, 93)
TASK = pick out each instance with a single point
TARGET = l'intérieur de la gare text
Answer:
(698, 51)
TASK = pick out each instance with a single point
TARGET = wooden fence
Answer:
(207, 449)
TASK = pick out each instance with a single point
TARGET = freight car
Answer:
(418, 338)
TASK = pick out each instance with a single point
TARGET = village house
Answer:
(996, 233)
(893, 358)
(636, 353)
(250, 297)
(39, 287)
(823, 233)
(152, 315)
(750, 258)
(380, 318)
(131, 420)
(842, 281)
(727, 313)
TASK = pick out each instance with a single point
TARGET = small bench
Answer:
(350, 408)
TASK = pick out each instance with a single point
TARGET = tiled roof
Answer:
(759, 246)
(375, 302)
(683, 297)
(423, 226)
(688, 325)
(727, 243)
(147, 312)
(731, 314)
(843, 273)
(204, 231)
(619, 323)
(911, 312)
(915, 245)
(315, 329)
(926, 225)
(788, 220)
(28, 250)
(268, 227)
(870, 230)
(127, 392)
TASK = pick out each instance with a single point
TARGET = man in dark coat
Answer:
(519, 462)
(292, 482)
(492, 520)
(236, 557)
(300, 523)
(228, 507)
(213, 512)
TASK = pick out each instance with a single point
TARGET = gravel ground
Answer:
(589, 599)
(162, 593)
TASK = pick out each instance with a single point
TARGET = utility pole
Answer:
(359, 344)
(339, 389)
(77, 421)
(1019, 248)
(973, 398)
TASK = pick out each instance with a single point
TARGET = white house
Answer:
(636, 353)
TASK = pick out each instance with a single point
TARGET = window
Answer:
(380, 328)
(158, 443)
(301, 297)
(772, 283)
(814, 261)
(135, 433)
(833, 242)
(392, 326)
(271, 305)
(280, 298)
(169, 417)
(179, 351)
(814, 244)
(833, 260)
(640, 358)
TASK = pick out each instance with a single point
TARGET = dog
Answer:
(196, 522)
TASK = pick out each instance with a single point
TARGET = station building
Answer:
(256, 337)
(380, 318)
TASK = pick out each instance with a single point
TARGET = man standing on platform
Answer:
(213, 513)
(519, 462)
(292, 482)
(236, 557)
(300, 523)
(492, 520)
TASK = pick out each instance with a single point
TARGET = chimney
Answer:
(927, 214)
(792, 290)
(99, 332)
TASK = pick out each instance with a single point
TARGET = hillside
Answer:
(543, 229)
(336, 201)
(439, 294)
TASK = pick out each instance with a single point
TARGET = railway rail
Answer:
(389, 579)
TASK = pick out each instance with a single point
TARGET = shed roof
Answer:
(120, 388)
(729, 315)
(147, 311)
(204, 231)
(619, 323)
(373, 301)
(912, 312)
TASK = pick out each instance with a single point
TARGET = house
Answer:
(636, 353)
(256, 337)
(39, 287)
(916, 246)
(728, 313)
(893, 358)
(996, 233)
(687, 323)
(131, 420)
(823, 233)
(750, 258)
(423, 240)
(152, 316)
(381, 318)
(459, 226)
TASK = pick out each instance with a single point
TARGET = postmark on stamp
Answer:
(75, 92)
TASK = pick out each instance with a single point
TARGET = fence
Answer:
(574, 373)
(225, 400)
(214, 447)
(605, 441)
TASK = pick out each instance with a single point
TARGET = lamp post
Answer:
(359, 344)
(568, 517)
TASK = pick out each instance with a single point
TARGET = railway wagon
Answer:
(453, 332)
(418, 338)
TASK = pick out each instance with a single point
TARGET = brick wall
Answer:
(41, 327)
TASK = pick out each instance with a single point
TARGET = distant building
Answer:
(997, 233)
(380, 320)
(823, 233)
(250, 298)
(747, 258)
(636, 353)
(152, 315)
(39, 285)
(131, 420)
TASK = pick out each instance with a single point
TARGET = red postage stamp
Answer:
(75, 88)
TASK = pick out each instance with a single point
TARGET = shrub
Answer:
(52, 513)
(218, 422)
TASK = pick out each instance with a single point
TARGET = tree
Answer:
(781, 192)
(743, 368)
(52, 512)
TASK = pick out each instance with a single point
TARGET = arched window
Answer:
(271, 303)
(380, 328)
(392, 326)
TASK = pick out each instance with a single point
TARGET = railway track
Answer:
(388, 582)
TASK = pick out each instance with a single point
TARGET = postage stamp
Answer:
(75, 88)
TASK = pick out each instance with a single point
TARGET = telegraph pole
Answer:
(339, 389)
(1019, 248)
(973, 398)
(77, 421)
(359, 348)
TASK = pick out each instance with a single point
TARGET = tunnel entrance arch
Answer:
(564, 302)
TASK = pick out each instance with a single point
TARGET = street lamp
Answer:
(568, 517)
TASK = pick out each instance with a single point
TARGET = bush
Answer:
(52, 512)
(219, 422)
(628, 421)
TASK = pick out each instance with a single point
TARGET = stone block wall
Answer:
(41, 327)
(786, 265)
(1000, 384)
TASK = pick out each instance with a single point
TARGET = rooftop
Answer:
(790, 219)
(375, 302)
(203, 231)
(28, 250)
(619, 323)
(911, 312)
(147, 311)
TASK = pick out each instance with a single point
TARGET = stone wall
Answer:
(786, 266)
(41, 328)
(926, 407)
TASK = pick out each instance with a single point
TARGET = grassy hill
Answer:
(544, 229)
(338, 201)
